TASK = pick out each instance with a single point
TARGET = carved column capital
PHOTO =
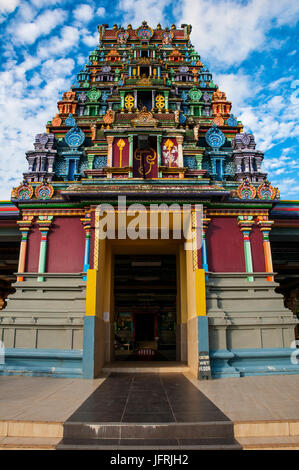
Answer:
(44, 222)
(245, 223)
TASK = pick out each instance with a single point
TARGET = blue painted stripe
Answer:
(42, 362)
(203, 333)
(44, 353)
(246, 362)
(88, 347)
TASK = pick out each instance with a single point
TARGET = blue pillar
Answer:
(87, 226)
(204, 248)
(89, 347)
(86, 256)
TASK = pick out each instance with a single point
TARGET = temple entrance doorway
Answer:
(145, 307)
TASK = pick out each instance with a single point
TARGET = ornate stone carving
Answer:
(246, 190)
(70, 121)
(122, 36)
(56, 121)
(74, 137)
(109, 117)
(144, 118)
(195, 94)
(41, 159)
(220, 105)
(68, 104)
(167, 37)
(24, 191)
(144, 32)
(247, 159)
(215, 138)
(44, 191)
(266, 191)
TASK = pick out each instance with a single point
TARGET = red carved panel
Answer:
(145, 160)
(33, 246)
(225, 247)
(257, 250)
(66, 244)
(169, 154)
(120, 152)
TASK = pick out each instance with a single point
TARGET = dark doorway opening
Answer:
(145, 327)
(144, 72)
(144, 98)
(145, 307)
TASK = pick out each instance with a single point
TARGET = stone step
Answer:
(145, 367)
(29, 443)
(149, 444)
(266, 428)
(269, 443)
(30, 429)
(202, 430)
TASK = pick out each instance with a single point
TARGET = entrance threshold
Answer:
(148, 366)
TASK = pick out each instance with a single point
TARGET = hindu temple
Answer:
(142, 144)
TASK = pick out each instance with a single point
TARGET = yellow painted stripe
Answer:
(201, 309)
(268, 260)
(91, 290)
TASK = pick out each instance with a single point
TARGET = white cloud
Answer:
(135, 11)
(24, 112)
(287, 186)
(57, 68)
(91, 40)
(8, 6)
(42, 3)
(272, 118)
(278, 82)
(101, 11)
(238, 87)
(67, 40)
(83, 13)
(27, 33)
(227, 31)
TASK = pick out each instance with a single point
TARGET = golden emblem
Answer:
(144, 157)
(160, 102)
(121, 144)
(129, 102)
(169, 144)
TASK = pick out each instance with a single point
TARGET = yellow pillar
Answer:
(200, 283)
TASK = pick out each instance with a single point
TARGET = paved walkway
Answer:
(147, 398)
(148, 411)
(42, 398)
(256, 398)
(240, 399)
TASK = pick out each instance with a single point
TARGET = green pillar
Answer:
(130, 138)
(166, 93)
(159, 140)
(122, 101)
(44, 223)
(199, 161)
(90, 159)
(245, 224)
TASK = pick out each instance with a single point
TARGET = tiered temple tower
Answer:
(145, 120)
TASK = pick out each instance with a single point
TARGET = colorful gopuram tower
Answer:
(145, 128)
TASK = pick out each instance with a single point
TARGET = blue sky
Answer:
(249, 46)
